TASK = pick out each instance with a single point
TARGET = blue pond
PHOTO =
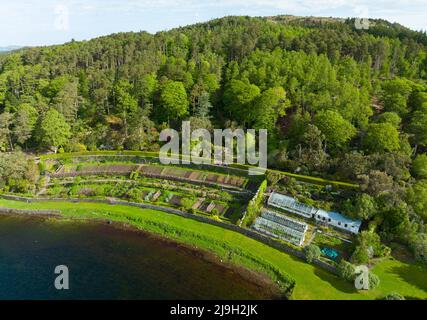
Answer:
(330, 253)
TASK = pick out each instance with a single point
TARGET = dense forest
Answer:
(338, 102)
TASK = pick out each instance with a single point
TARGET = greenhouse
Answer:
(279, 226)
(290, 204)
(281, 219)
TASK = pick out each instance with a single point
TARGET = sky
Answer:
(46, 22)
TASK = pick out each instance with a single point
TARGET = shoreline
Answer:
(259, 279)
(267, 285)
(279, 277)
(297, 279)
(247, 232)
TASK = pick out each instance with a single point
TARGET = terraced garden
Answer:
(221, 193)
(156, 171)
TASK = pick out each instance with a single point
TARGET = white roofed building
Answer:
(334, 219)
(338, 220)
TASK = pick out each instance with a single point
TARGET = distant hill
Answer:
(9, 48)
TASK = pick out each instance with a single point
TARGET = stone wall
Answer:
(9, 211)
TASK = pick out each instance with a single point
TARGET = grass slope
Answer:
(311, 282)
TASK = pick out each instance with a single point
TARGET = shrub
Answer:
(346, 270)
(312, 252)
(369, 246)
(19, 185)
(360, 255)
(394, 296)
(135, 195)
(134, 175)
(419, 247)
(168, 196)
(148, 196)
(76, 147)
(42, 167)
(187, 203)
(374, 281)
(41, 183)
(216, 218)
(274, 178)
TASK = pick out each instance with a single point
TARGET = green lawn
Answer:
(311, 282)
(404, 278)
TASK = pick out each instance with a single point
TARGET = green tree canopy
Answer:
(6, 131)
(418, 127)
(238, 99)
(17, 172)
(148, 87)
(390, 117)
(67, 100)
(54, 130)
(126, 104)
(365, 206)
(174, 100)
(346, 270)
(204, 105)
(382, 137)
(419, 248)
(336, 129)
(268, 107)
(417, 197)
(312, 252)
(419, 166)
(24, 123)
(395, 96)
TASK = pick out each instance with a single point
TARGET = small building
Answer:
(334, 219)
(338, 220)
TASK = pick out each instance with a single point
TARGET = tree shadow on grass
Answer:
(412, 274)
(338, 283)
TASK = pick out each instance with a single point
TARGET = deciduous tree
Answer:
(54, 130)
(174, 100)
(336, 129)
(382, 137)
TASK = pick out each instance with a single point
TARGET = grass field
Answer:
(311, 282)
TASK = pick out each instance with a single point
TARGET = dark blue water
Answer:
(109, 263)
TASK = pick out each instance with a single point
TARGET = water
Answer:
(109, 263)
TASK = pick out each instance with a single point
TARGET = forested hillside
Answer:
(338, 102)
